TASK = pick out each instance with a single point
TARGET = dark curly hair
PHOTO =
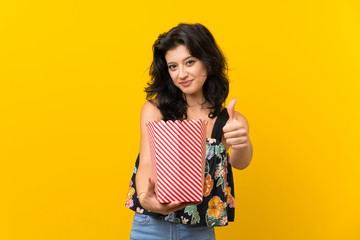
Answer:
(201, 44)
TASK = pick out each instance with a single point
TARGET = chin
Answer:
(189, 92)
(192, 90)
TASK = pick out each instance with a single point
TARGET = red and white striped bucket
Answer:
(178, 153)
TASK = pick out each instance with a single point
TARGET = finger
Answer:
(236, 141)
(173, 204)
(170, 207)
(234, 126)
(239, 146)
(179, 206)
(234, 135)
(231, 132)
(231, 109)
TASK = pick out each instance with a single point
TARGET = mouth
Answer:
(186, 83)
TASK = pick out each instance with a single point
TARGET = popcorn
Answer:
(178, 153)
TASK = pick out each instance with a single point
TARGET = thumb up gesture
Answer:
(236, 128)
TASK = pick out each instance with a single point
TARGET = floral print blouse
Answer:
(218, 205)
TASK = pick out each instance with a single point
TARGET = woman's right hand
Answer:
(149, 201)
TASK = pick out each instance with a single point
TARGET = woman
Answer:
(189, 81)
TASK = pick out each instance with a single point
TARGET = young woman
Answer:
(189, 81)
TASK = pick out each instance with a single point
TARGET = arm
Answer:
(145, 184)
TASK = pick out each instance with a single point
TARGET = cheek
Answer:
(172, 75)
(202, 73)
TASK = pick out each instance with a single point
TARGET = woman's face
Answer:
(187, 72)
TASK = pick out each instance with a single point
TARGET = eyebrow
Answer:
(183, 60)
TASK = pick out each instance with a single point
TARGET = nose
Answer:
(183, 72)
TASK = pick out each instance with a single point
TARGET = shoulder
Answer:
(150, 112)
(149, 105)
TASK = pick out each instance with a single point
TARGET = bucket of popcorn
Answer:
(178, 153)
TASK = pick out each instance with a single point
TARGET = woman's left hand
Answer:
(235, 131)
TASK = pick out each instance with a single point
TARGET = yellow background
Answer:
(72, 75)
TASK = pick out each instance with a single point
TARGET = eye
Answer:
(172, 67)
(190, 62)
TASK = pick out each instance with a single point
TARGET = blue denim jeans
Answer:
(145, 227)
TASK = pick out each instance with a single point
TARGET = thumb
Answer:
(151, 186)
(231, 109)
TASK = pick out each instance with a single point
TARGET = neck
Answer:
(195, 101)
(196, 107)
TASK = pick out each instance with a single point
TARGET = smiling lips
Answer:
(186, 83)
